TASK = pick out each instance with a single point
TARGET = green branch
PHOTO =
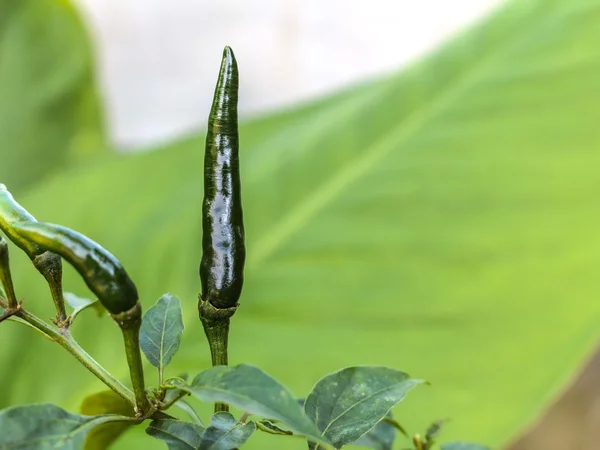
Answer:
(63, 338)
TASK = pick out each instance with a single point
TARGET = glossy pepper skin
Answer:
(12, 218)
(101, 271)
(223, 250)
(11, 215)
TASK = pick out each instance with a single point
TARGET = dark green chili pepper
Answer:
(11, 214)
(12, 217)
(223, 251)
(106, 277)
(101, 271)
(5, 276)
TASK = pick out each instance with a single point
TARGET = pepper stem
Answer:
(130, 322)
(216, 327)
(50, 266)
(6, 278)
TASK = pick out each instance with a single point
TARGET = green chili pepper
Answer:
(5, 276)
(11, 214)
(12, 217)
(223, 251)
(106, 277)
(101, 271)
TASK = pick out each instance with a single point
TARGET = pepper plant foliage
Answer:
(348, 407)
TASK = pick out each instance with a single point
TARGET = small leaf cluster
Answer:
(348, 407)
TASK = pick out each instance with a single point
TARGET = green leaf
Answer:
(46, 426)
(441, 218)
(105, 402)
(433, 431)
(346, 404)
(49, 112)
(272, 428)
(161, 331)
(226, 433)
(252, 390)
(380, 437)
(463, 446)
(190, 411)
(80, 304)
(177, 434)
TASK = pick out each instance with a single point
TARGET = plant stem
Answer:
(130, 322)
(216, 327)
(131, 337)
(65, 340)
(217, 334)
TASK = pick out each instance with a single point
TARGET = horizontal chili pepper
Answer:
(101, 271)
(106, 277)
(12, 218)
(11, 215)
(223, 250)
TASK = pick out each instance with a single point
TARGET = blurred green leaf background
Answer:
(50, 114)
(441, 220)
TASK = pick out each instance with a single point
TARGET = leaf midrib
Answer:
(362, 400)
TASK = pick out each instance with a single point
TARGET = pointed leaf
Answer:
(463, 446)
(434, 429)
(177, 434)
(252, 390)
(347, 404)
(161, 331)
(190, 411)
(105, 402)
(47, 427)
(80, 304)
(226, 433)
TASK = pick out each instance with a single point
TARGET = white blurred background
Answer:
(158, 59)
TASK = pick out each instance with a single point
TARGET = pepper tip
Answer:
(228, 53)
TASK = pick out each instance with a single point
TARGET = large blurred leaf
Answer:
(442, 221)
(49, 110)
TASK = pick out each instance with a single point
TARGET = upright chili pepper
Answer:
(223, 250)
(5, 276)
(12, 217)
(106, 277)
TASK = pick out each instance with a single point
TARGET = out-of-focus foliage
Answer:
(49, 110)
(442, 221)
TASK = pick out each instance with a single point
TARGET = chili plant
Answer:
(349, 407)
